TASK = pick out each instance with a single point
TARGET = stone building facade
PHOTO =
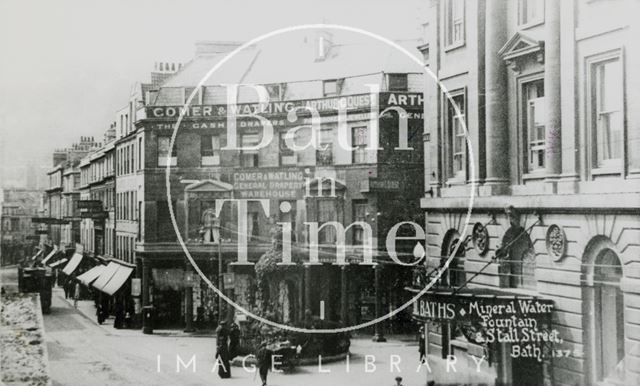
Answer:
(546, 90)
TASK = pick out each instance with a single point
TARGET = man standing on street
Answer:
(222, 351)
(263, 357)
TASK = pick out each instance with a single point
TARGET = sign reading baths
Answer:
(519, 321)
(350, 102)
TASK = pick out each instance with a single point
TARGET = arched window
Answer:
(455, 275)
(608, 306)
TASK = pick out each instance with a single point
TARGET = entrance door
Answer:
(527, 371)
(609, 309)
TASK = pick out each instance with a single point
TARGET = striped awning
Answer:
(112, 277)
(73, 264)
(54, 250)
(91, 275)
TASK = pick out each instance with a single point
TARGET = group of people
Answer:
(227, 344)
(227, 347)
(72, 290)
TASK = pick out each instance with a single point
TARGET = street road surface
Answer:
(81, 352)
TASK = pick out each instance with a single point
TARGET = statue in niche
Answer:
(210, 229)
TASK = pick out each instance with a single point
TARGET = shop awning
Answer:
(106, 275)
(37, 254)
(479, 305)
(50, 255)
(73, 264)
(58, 262)
(112, 277)
(91, 275)
(117, 280)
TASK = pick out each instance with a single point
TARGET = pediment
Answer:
(519, 45)
(209, 186)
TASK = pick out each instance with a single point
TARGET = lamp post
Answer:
(378, 334)
(216, 235)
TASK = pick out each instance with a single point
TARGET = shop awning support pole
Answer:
(220, 283)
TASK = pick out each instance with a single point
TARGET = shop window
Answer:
(166, 153)
(359, 140)
(533, 122)
(607, 112)
(455, 121)
(253, 225)
(324, 151)
(249, 158)
(454, 23)
(359, 214)
(327, 212)
(210, 150)
(287, 155)
(530, 12)
(397, 82)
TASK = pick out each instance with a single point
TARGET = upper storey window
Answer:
(454, 23)
(165, 152)
(534, 118)
(607, 112)
(530, 12)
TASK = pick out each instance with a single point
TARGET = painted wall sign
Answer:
(274, 183)
(463, 307)
(348, 102)
(89, 204)
(384, 185)
(523, 323)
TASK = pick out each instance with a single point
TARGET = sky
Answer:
(66, 66)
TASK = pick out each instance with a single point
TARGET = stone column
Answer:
(188, 302)
(147, 324)
(553, 140)
(344, 293)
(146, 272)
(496, 113)
(378, 333)
(570, 132)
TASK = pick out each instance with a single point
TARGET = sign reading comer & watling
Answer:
(348, 102)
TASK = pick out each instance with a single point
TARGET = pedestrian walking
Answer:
(222, 350)
(398, 381)
(67, 288)
(421, 345)
(76, 294)
(234, 340)
(264, 358)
